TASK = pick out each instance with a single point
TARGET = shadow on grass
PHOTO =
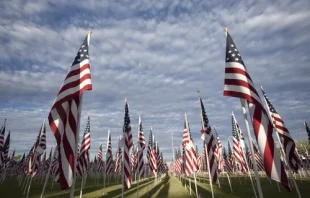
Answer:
(156, 188)
(118, 191)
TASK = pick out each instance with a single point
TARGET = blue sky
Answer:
(157, 54)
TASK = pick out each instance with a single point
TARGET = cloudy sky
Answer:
(157, 54)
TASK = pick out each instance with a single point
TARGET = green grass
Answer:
(169, 186)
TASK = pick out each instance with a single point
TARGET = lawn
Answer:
(168, 186)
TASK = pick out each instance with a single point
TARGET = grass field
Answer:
(168, 186)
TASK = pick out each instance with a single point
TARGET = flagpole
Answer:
(48, 172)
(229, 183)
(123, 169)
(76, 147)
(259, 187)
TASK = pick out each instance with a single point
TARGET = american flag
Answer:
(141, 147)
(83, 158)
(109, 156)
(218, 150)
(151, 154)
(39, 148)
(238, 83)
(2, 134)
(258, 158)
(209, 143)
(5, 150)
(286, 139)
(64, 117)
(127, 145)
(227, 162)
(236, 145)
(118, 161)
(99, 157)
(191, 164)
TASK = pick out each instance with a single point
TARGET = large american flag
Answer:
(127, 145)
(308, 130)
(238, 83)
(209, 143)
(83, 159)
(286, 139)
(64, 117)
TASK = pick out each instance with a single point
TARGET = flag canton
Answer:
(127, 126)
(87, 128)
(82, 53)
(151, 138)
(270, 106)
(232, 53)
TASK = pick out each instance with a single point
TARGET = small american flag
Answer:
(84, 151)
(238, 83)
(64, 117)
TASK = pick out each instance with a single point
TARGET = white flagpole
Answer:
(49, 170)
(76, 147)
(123, 171)
(81, 191)
(259, 187)
(229, 183)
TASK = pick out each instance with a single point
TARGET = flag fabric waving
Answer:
(109, 156)
(209, 143)
(286, 139)
(64, 117)
(2, 134)
(238, 83)
(141, 147)
(127, 145)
